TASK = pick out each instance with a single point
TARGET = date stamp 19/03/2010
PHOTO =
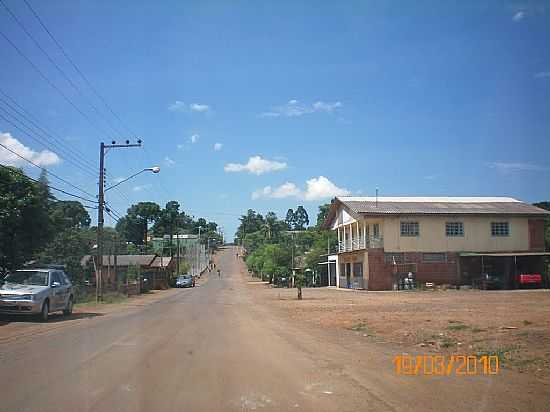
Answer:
(440, 365)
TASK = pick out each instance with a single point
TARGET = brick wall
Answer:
(437, 272)
(536, 235)
(381, 274)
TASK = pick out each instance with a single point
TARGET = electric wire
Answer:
(77, 69)
(46, 170)
(11, 169)
(32, 135)
(52, 61)
(29, 117)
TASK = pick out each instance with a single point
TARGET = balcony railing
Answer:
(360, 243)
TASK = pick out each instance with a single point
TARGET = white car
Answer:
(36, 292)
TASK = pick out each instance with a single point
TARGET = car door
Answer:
(56, 292)
(65, 287)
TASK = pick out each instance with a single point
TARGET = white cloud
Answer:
(519, 15)
(141, 188)
(169, 162)
(321, 187)
(287, 189)
(194, 138)
(197, 107)
(218, 146)
(179, 106)
(42, 158)
(515, 167)
(118, 179)
(326, 107)
(256, 165)
(293, 108)
(316, 189)
(542, 75)
(181, 146)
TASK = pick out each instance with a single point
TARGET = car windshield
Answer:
(28, 277)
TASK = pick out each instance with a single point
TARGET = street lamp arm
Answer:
(155, 169)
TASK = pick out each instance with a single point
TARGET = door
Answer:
(348, 275)
(332, 274)
(56, 294)
(358, 275)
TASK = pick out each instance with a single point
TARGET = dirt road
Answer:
(218, 348)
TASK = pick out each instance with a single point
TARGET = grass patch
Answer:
(477, 330)
(457, 326)
(504, 354)
(107, 298)
(360, 327)
(447, 342)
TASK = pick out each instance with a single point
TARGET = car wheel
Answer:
(45, 312)
(69, 309)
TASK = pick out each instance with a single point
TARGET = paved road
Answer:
(212, 348)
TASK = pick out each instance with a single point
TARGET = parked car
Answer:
(185, 281)
(488, 281)
(36, 292)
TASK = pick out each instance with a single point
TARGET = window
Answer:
(454, 229)
(434, 257)
(54, 277)
(500, 229)
(409, 229)
(393, 258)
(376, 230)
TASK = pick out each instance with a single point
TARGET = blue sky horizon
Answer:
(271, 105)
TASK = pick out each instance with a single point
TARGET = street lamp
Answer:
(154, 169)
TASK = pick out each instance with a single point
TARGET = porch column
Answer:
(365, 233)
(338, 230)
(344, 236)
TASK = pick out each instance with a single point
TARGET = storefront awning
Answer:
(510, 254)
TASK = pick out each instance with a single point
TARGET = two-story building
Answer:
(443, 240)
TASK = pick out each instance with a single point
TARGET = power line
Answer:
(52, 61)
(46, 78)
(44, 169)
(31, 134)
(82, 75)
(11, 169)
(31, 119)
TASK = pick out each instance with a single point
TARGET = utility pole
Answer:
(101, 207)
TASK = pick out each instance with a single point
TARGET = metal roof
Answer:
(161, 262)
(123, 260)
(455, 206)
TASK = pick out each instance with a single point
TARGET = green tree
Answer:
(66, 214)
(250, 223)
(68, 247)
(137, 221)
(301, 219)
(322, 215)
(290, 219)
(24, 221)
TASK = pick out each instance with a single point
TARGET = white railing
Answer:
(360, 243)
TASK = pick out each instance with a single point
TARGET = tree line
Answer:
(273, 246)
(36, 226)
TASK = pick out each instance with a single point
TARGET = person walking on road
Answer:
(219, 274)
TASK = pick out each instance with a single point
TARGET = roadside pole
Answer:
(100, 209)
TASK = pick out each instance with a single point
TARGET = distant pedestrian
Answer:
(219, 274)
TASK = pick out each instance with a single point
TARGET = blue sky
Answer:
(305, 99)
